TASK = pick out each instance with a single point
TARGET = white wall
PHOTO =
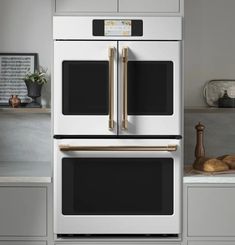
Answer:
(209, 54)
(25, 26)
(209, 45)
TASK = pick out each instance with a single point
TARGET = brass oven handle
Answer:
(111, 81)
(124, 87)
(118, 148)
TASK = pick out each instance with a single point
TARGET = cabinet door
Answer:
(211, 243)
(211, 211)
(123, 243)
(22, 243)
(149, 6)
(23, 211)
(73, 6)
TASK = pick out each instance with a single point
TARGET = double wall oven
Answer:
(117, 125)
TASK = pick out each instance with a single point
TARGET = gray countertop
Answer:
(25, 172)
(191, 176)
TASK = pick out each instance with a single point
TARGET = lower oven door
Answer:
(117, 186)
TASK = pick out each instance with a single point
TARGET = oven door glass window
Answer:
(117, 186)
(85, 87)
(150, 88)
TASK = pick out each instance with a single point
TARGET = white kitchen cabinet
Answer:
(23, 211)
(116, 243)
(211, 243)
(209, 213)
(22, 243)
(81, 7)
(76, 6)
(149, 6)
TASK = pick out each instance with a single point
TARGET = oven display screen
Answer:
(117, 27)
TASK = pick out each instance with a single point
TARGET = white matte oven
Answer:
(117, 186)
(117, 116)
(117, 85)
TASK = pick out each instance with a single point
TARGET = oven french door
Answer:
(85, 88)
(117, 186)
(150, 90)
(117, 87)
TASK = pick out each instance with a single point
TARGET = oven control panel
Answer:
(117, 27)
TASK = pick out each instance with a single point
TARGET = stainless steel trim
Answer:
(111, 87)
(118, 148)
(124, 90)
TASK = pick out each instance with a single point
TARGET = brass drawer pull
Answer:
(118, 148)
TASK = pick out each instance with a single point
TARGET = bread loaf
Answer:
(229, 160)
(210, 165)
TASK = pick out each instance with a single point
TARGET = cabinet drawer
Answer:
(151, 6)
(211, 211)
(73, 6)
(211, 243)
(116, 243)
(23, 211)
(22, 243)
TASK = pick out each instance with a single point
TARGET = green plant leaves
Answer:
(39, 76)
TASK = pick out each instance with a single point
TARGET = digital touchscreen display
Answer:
(117, 27)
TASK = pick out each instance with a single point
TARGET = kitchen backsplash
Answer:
(25, 137)
(219, 134)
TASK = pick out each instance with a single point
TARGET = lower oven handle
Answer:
(118, 148)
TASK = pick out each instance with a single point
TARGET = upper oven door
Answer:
(117, 186)
(150, 88)
(85, 88)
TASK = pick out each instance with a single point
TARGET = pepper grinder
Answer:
(199, 149)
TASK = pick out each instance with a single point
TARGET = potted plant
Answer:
(34, 82)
